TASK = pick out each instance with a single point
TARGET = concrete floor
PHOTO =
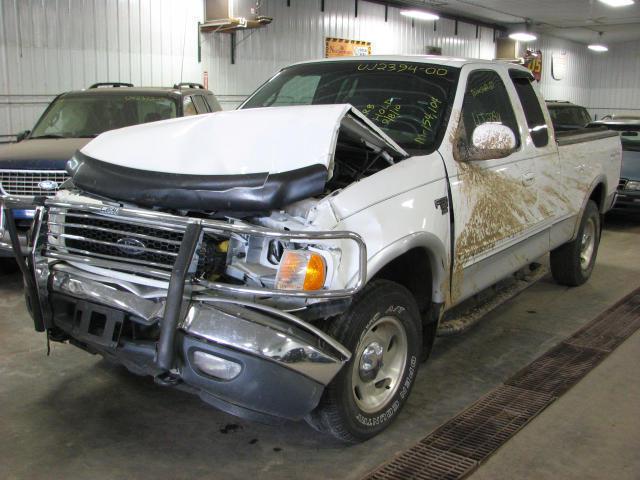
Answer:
(75, 416)
(592, 432)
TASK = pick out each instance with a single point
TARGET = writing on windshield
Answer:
(407, 100)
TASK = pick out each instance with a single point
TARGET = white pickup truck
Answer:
(292, 258)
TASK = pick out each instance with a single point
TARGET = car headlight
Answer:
(632, 185)
(301, 270)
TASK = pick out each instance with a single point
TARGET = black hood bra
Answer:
(254, 192)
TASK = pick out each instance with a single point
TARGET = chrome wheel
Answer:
(379, 364)
(588, 243)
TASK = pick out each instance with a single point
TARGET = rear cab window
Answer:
(536, 123)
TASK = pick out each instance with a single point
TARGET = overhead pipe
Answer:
(421, 5)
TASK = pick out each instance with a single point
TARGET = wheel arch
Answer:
(424, 257)
(597, 192)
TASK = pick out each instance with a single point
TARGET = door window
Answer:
(188, 107)
(486, 100)
(201, 104)
(531, 106)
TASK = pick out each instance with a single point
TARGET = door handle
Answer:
(528, 179)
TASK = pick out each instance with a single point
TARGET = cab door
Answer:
(495, 200)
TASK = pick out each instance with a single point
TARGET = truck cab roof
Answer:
(457, 62)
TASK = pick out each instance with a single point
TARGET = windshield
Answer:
(90, 115)
(408, 101)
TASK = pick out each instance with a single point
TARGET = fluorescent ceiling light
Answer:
(618, 3)
(523, 36)
(419, 14)
(596, 47)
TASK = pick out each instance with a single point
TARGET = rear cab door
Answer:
(540, 146)
(495, 200)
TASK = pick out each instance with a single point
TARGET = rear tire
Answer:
(383, 330)
(573, 262)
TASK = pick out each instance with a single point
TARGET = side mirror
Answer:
(22, 135)
(491, 140)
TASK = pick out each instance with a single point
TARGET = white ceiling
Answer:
(578, 20)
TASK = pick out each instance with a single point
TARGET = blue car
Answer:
(628, 199)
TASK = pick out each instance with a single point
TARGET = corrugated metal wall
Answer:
(298, 32)
(52, 46)
(574, 87)
(615, 80)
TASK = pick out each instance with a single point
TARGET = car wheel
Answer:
(382, 329)
(573, 262)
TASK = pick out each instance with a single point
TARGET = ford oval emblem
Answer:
(131, 246)
(48, 185)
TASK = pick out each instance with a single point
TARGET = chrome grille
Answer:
(125, 244)
(622, 184)
(29, 182)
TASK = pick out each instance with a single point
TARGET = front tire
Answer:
(383, 330)
(573, 262)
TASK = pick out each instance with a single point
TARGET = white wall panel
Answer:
(298, 32)
(52, 46)
(615, 80)
(574, 87)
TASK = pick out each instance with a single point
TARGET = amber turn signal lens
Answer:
(301, 270)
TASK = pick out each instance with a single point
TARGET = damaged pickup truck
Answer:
(292, 259)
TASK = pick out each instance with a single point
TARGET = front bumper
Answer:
(627, 200)
(285, 361)
(283, 367)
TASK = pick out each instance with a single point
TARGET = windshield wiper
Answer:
(49, 135)
(93, 135)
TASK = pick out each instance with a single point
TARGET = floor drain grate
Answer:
(456, 448)
(558, 370)
(487, 424)
(425, 463)
(611, 328)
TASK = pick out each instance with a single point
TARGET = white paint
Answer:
(273, 140)
(395, 209)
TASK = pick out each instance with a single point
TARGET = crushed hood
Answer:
(241, 160)
(273, 140)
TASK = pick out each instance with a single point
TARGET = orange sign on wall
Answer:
(340, 47)
(533, 61)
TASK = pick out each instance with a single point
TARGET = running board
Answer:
(468, 313)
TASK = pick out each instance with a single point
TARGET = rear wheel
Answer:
(383, 330)
(573, 262)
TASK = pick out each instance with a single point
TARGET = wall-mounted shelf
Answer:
(231, 26)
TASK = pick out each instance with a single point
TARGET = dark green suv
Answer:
(35, 165)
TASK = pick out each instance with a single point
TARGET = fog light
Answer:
(215, 366)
